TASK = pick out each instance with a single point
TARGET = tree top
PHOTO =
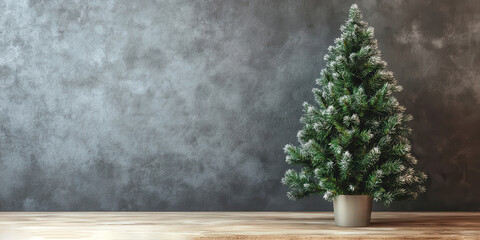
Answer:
(355, 15)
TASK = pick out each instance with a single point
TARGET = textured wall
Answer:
(186, 105)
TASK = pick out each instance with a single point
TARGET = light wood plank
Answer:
(233, 225)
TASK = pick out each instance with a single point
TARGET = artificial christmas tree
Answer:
(355, 140)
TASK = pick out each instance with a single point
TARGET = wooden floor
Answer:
(233, 225)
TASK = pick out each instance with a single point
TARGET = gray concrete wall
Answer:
(186, 105)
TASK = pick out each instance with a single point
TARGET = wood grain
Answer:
(234, 225)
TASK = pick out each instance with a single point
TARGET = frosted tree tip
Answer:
(288, 159)
(329, 164)
(291, 196)
(354, 7)
(287, 147)
(347, 155)
(300, 135)
(423, 176)
(310, 109)
(355, 13)
(327, 195)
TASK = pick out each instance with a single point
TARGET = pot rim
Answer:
(354, 196)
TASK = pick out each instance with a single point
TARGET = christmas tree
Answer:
(355, 139)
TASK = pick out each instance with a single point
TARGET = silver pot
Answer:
(352, 210)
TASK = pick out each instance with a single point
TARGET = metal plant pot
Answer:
(352, 210)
